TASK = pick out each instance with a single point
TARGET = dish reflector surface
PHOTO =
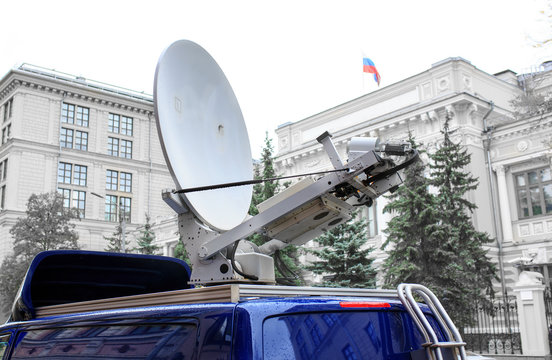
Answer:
(202, 133)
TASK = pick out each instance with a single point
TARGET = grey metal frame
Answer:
(208, 249)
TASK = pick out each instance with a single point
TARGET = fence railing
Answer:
(548, 312)
(495, 329)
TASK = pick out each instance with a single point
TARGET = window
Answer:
(72, 174)
(6, 134)
(79, 201)
(66, 138)
(64, 173)
(3, 197)
(81, 140)
(109, 341)
(371, 223)
(82, 116)
(112, 146)
(126, 149)
(111, 178)
(113, 123)
(119, 124)
(534, 192)
(68, 114)
(3, 170)
(112, 181)
(66, 193)
(126, 182)
(8, 109)
(126, 125)
(112, 208)
(79, 175)
(124, 204)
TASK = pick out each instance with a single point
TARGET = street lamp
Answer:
(123, 221)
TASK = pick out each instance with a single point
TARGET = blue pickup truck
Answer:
(93, 305)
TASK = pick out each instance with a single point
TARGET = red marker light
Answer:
(364, 304)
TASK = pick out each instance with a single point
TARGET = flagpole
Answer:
(362, 73)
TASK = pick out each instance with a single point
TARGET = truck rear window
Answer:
(341, 335)
(137, 341)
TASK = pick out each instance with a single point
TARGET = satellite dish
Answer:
(202, 134)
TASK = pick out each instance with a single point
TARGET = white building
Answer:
(66, 133)
(520, 150)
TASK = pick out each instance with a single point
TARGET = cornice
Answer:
(523, 127)
(73, 91)
(380, 126)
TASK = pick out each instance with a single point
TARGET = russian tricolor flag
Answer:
(369, 67)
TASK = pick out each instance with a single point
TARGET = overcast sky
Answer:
(286, 60)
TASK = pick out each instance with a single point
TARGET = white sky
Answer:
(286, 60)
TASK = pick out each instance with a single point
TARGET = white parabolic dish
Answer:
(202, 134)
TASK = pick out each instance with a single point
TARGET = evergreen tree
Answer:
(287, 258)
(412, 255)
(114, 241)
(267, 189)
(47, 226)
(181, 253)
(257, 196)
(434, 240)
(466, 272)
(146, 239)
(343, 256)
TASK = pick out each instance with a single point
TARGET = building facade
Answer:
(94, 143)
(514, 197)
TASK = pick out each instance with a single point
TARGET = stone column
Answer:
(529, 292)
(504, 203)
(172, 245)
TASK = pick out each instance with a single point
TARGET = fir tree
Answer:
(466, 272)
(114, 241)
(343, 256)
(287, 257)
(267, 189)
(180, 252)
(146, 239)
(46, 226)
(434, 241)
(411, 257)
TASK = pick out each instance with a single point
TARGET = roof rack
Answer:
(229, 293)
(433, 345)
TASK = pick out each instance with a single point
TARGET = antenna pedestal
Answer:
(218, 269)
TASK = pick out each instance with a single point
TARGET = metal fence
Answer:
(495, 329)
(548, 311)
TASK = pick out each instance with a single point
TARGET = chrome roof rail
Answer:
(433, 345)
